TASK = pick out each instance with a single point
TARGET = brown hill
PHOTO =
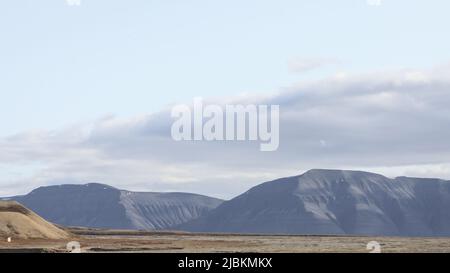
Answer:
(17, 221)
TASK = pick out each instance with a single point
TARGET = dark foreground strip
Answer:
(218, 262)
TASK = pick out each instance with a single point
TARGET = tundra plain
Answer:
(101, 241)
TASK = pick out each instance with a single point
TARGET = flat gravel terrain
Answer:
(131, 241)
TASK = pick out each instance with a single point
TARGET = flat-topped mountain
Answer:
(317, 202)
(102, 206)
(335, 202)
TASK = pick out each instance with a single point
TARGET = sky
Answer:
(85, 90)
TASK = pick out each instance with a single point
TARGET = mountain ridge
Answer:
(99, 205)
(317, 202)
(323, 201)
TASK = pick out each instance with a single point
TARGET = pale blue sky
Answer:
(61, 65)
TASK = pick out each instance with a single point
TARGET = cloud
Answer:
(396, 122)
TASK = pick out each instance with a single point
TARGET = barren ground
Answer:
(131, 241)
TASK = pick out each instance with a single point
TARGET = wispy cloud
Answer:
(395, 121)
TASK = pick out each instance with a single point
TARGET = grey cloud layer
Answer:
(366, 121)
